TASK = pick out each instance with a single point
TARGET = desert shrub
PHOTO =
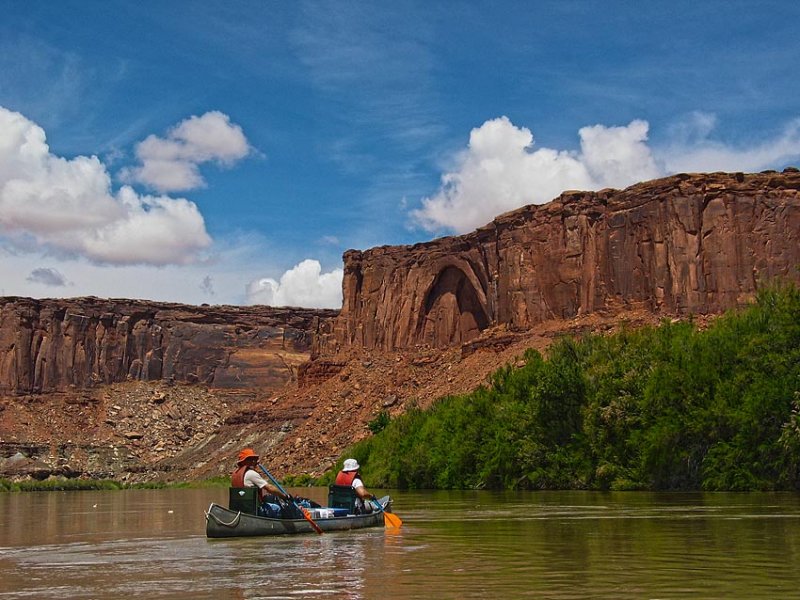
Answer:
(379, 423)
(667, 407)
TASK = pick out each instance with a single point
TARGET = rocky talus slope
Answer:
(111, 387)
(141, 391)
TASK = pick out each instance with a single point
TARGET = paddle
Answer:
(304, 512)
(389, 519)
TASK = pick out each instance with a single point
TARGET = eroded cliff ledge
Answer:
(56, 345)
(690, 243)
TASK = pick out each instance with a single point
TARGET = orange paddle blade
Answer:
(316, 527)
(392, 520)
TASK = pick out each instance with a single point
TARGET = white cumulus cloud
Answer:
(172, 163)
(303, 285)
(68, 206)
(500, 170)
(617, 156)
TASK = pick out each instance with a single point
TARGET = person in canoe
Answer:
(349, 475)
(272, 501)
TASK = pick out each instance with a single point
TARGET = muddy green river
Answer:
(152, 544)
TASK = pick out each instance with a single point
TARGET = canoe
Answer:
(222, 522)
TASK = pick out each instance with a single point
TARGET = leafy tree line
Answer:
(659, 408)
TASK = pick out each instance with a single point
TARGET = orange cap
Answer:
(245, 454)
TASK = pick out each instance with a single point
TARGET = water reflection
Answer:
(453, 545)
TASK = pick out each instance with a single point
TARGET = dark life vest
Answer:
(237, 480)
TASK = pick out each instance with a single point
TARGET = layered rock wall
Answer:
(697, 243)
(54, 345)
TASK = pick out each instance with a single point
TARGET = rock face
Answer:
(56, 345)
(679, 245)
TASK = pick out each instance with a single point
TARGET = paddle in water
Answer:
(303, 511)
(389, 519)
(392, 520)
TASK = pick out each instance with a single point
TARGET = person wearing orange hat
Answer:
(246, 475)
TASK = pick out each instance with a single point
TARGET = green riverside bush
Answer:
(659, 408)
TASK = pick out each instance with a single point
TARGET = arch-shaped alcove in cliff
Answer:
(453, 312)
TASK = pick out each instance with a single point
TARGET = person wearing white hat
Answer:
(349, 475)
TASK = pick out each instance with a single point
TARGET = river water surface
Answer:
(152, 544)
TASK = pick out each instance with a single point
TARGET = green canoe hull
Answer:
(224, 523)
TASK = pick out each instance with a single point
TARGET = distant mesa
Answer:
(78, 343)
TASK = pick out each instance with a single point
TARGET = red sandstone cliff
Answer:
(685, 244)
(56, 345)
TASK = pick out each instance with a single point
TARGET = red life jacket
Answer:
(346, 477)
(237, 480)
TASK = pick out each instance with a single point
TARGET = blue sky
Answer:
(230, 152)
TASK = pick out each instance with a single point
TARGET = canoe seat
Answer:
(243, 499)
(342, 496)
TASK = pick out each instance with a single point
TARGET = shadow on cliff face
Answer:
(453, 311)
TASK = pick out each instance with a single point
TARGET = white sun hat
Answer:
(351, 464)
